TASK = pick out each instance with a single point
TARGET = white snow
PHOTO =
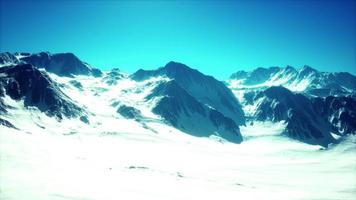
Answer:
(169, 165)
(287, 82)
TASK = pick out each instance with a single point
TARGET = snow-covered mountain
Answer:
(64, 124)
(178, 96)
(34, 88)
(313, 105)
(205, 89)
(63, 64)
(7, 58)
(194, 102)
(66, 64)
(297, 111)
(188, 114)
(306, 80)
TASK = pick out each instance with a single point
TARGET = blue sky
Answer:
(215, 37)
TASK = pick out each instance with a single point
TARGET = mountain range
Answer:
(43, 90)
(306, 80)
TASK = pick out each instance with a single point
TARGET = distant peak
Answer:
(266, 69)
(274, 68)
(289, 67)
(69, 54)
(175, 65)
(260, 68)
(172, 63)
(307, 68)
(63, 55)
(115, 69)
(174, 69)
(239, 75)
(43, 53)
(66, 55)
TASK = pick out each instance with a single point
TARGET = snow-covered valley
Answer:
(172, 166)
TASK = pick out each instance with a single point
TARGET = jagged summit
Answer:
(65, 64)
(306, 71)
(205, 89)
(62, 64)
(171, 69)
(308, 68)
(176, 65)
(178, 69)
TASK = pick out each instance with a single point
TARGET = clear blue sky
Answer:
(216, 37)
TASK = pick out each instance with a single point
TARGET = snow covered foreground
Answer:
(172, 166)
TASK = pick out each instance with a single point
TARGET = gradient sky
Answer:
(215, 37)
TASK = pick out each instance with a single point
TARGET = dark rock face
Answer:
(84, 119)
(37, 89)
(76, 84)
(2, 106)
(219, 120)
(184, 112)
(62, 64)
(96, 72)
(129, 112)
(2, 103)
(8, 124)
(249, 97)
(332, 84)
(303, 122)
(176, 100)
(339, 111)
(8, 58)
(205, 89)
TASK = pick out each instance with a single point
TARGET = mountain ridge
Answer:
(322, 105)
(306, 79)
